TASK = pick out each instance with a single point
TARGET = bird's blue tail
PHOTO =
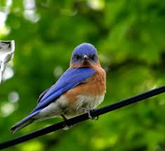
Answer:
(24, 122)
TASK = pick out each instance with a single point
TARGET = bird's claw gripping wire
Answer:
(90, 116)
(65, 126)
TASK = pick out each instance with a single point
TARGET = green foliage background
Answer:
(129, 36)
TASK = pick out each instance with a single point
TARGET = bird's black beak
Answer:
(86, 60)
(85, 57)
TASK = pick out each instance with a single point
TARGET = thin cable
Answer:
(83, 117)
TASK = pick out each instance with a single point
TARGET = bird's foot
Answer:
(89, 114)
(65, 126)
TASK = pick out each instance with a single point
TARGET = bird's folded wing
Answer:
(71, 78)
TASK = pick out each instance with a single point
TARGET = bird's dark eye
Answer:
(77, 57)
(92, 57)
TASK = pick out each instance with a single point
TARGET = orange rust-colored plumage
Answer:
(94, 86)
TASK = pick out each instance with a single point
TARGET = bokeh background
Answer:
(130, 38)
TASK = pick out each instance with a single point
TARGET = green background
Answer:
(130, 38)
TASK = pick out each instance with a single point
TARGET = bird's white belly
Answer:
(61, 106)
(88, 101)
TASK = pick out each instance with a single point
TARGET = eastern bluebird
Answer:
(80, 88)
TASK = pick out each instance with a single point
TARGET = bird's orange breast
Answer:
(92, 87)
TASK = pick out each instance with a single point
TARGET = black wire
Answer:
(83, 117)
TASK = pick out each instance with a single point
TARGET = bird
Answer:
(80, 89)
(6, 54)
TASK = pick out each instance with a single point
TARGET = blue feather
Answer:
(71, 78)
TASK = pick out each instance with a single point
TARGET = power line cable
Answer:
(75, 120)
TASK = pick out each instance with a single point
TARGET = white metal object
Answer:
(6, 54)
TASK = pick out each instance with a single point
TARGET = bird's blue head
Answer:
(84, 55)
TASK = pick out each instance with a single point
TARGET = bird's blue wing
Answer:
(71, 78)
